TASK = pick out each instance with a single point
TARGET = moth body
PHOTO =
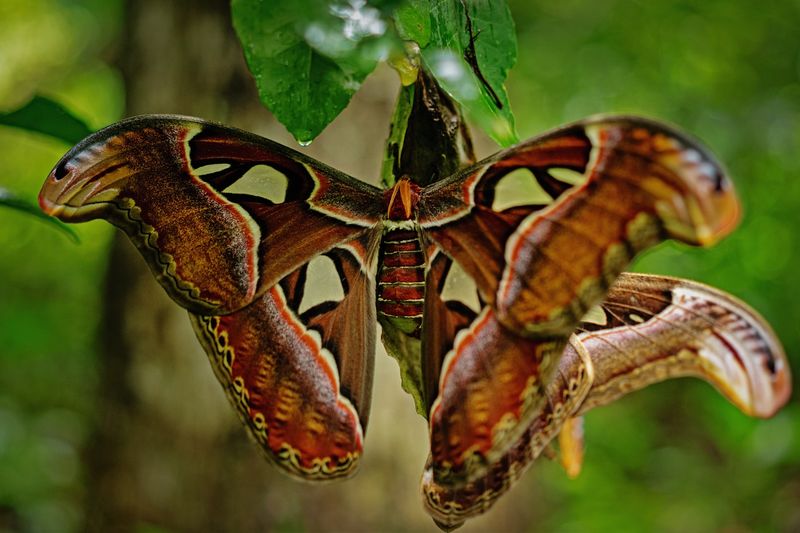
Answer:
(401, 279)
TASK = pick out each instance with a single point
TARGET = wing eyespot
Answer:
(61, 170)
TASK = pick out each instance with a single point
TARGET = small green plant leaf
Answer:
(309, 57)
(10, 200)
(46, 116)
(413, 22)
(397, 133)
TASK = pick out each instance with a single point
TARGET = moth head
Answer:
(401, 200)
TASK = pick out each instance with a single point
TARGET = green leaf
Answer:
(10, 200)
(472, 68)
(413, 22)
(309, 57)
(407, 351)
(397, 133)
(46, 116)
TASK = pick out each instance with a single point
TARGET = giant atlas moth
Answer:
(548, 326)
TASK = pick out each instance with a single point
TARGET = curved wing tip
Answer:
(659, 125)
(653, 123)
(45, 204)
(768, 406)
(713, 210)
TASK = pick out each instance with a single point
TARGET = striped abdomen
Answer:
(401, 280)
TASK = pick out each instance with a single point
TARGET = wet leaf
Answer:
(309, 57)
(413, 21)
(469, 47)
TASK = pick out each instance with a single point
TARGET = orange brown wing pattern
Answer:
(618, 186)
(652, 328)
(450, 505)
(301, 382)
(658, 328)
(217, 214)
(213, 210)
(482, 382)
(232, 226)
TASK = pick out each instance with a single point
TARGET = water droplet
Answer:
(304, 143)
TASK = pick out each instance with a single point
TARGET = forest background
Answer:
(109, 412)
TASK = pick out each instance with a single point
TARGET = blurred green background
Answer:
(675, 457)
